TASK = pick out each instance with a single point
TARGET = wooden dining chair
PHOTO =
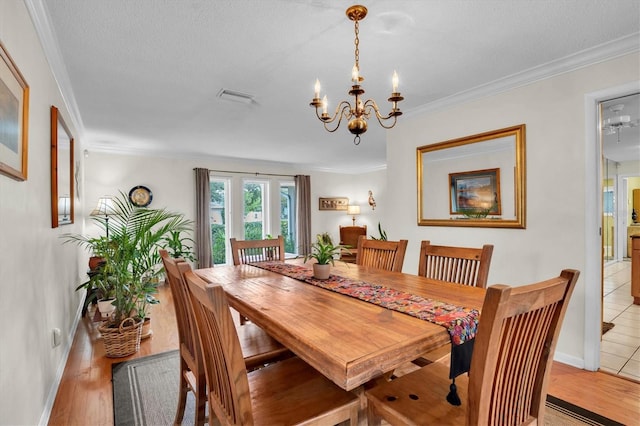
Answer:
(258, 348)
(248, 251)
(510, 365)
(387, 255)
(349, 238)
(462, 265)
(284, 393)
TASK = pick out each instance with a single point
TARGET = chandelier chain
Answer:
(357, 44)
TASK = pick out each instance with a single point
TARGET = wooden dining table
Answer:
(348, 340)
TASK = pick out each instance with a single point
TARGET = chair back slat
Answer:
(227, 381)
(462, 265)
(249, 251)
(513, 350)
(387, 255)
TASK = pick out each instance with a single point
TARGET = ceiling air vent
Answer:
(232, 95)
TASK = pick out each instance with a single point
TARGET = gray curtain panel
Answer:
(203, 225)
(303, 193)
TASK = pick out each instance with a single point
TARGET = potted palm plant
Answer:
(324, 252)
(134, 265)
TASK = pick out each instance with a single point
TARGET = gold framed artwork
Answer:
(475, 193)
(333, 203)
(14, 118)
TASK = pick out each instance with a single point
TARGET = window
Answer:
(219, 217)
(255, 199)
(252, 209)
(608, 201)
(288, 208)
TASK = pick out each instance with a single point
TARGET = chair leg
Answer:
(353, 417)
(182, 397)
(372, 418)
(201, 401)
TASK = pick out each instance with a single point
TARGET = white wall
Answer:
(356, 188)
(553, 111)
(171, 181)
(38, 274)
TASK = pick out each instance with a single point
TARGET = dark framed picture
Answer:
(333, 203)
(14, 118)
(475, 192)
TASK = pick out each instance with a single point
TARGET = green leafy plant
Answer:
(323, 250)
(101, 282)
(325, 238)
(130, 253)
(475, 213)
(382, 232)
(179, 246)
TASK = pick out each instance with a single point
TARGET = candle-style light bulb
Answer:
(317, 89)
(354, 75)
(325, 104)
(394, 82)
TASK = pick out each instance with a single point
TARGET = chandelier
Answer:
(360, 111)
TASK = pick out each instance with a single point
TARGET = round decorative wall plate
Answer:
(140, 196)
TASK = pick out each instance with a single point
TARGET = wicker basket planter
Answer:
(123, 340)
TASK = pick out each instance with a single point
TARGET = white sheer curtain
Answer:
(203, 224)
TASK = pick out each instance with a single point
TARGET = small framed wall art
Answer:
(14, 118)
(475, 191)
(333, 203)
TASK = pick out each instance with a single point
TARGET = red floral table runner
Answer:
(460, 322)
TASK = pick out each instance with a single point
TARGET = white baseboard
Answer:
(569, 360)
(46, 412)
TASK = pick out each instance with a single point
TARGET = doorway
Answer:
(620, 181)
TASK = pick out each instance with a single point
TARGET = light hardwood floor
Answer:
(85, 393)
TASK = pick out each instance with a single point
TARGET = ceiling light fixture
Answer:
(360, 111)
(615, 124)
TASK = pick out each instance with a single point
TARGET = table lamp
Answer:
(104, 208)
(353, 210)
(64, 204)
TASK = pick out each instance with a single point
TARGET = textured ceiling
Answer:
(142, 76)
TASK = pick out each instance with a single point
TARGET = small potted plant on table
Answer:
(324, 252)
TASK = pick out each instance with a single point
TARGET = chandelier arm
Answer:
(340, 114)
(371, 104)
(342, 105)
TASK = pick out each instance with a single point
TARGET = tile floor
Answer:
(620, 346)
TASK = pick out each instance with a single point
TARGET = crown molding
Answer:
(47, 36)
(604, 52)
